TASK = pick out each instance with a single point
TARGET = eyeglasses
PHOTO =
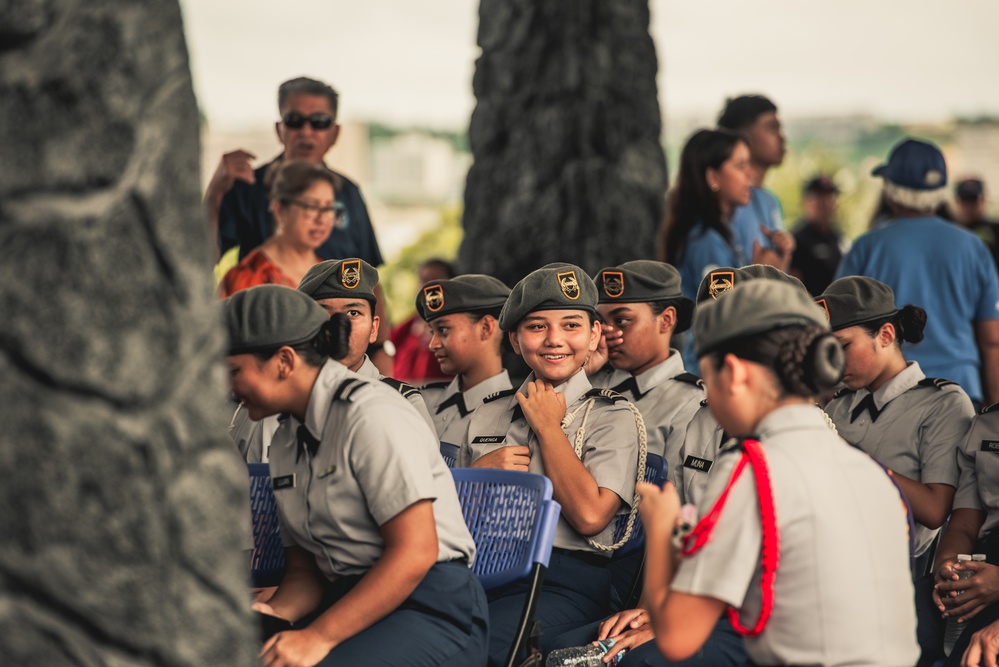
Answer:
(318, 121)
(335, 211)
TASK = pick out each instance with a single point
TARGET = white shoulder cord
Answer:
(643, 448)
(232, 422)
(829, 421)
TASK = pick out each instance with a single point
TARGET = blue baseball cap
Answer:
(914, 164)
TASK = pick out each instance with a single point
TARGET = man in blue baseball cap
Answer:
(944, 269)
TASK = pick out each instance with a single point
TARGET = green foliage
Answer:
(399, 279)
(382, 132)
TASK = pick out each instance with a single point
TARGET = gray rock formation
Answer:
(565, 136)
(120, 500)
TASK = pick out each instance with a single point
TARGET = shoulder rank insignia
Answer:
(498, 395)
(690, 378)
(607, 394)
(939, 383)
(347, 389)
(436, 385)
(403, 388)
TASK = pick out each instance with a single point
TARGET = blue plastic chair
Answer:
(512, 518)
(450, 453)
(267, 561)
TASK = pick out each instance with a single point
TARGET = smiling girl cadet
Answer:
(801, 536)
(462, 313)
(586, 441)
(376, 546)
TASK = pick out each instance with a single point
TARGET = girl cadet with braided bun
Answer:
(911, 424)
(802, 537)
(377, 551)
(701, 439)
(589, 442)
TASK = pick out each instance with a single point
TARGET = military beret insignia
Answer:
(721, 282)
(570, 286)
(434, 296)
(613, 283)
(350, 273)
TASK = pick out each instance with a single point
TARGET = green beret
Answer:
(472, 292)
(557, 286)
(724, 278)
(341, 279)
(266, 317)
(753, 308)
(856, 299)
(643, 281)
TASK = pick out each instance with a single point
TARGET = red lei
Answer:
(752, 453)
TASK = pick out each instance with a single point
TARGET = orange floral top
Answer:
(254, 269)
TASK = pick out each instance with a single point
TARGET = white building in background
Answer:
(417, 168)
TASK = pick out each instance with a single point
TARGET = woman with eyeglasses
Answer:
(303, 202)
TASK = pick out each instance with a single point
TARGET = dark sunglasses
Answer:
(318, 121)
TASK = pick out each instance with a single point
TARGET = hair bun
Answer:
(824, 362)
(811, 362)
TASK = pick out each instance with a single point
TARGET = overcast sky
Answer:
(411, 63)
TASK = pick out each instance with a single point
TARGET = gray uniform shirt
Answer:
(666, 402)
(441, 398)
(701, 444)
(610, 449)
(843, 593)
(978, 463)
(917, 433)
(412, 394)
(376, 458)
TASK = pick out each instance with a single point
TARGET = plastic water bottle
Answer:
(953, 630)
(584, 656)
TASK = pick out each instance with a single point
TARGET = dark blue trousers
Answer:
(724, 648)
(574, 593)
(444, 621)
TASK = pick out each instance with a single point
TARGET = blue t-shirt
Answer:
(704, 251)
(245, 220)
(945, 270)
(763, 209)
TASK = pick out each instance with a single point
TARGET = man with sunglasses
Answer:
(237, 198)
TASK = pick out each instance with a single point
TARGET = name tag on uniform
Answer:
(695, 463)
(990, 445)
(284, 482)
(488, 439)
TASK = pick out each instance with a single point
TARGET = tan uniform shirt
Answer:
(978, 463)
(667, 397)
(411, 393)
(843, 593)
(451, 408)
(610, 448)
(917, 433)
(375, 458)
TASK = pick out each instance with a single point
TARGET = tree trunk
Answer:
(565, 136)
(122, 505)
